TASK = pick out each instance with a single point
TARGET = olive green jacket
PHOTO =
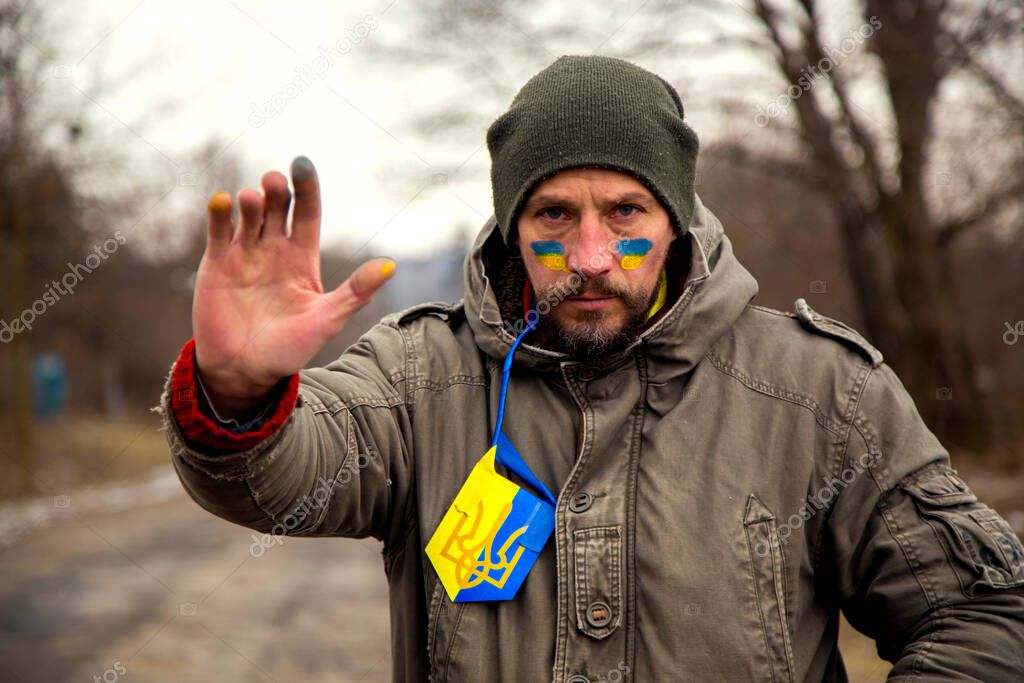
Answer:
(725, 486)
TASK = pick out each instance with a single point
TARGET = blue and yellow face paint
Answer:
(550, 254)
(490, 537)
(633, 251)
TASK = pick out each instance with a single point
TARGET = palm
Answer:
(260, 312)
(262, 309)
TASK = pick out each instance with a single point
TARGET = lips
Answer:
(589, 303)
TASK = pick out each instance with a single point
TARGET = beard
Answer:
(591, 335)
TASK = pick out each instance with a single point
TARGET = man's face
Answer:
(594, 241)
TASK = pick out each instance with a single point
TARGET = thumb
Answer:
(360, 287)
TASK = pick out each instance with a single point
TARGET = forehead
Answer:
(599, 181)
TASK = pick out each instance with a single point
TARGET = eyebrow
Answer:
(547, 199)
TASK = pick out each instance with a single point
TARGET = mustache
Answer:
(555, 294)
(602, 287)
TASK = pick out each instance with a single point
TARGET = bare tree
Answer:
(19, 77)
(53, 146)
(879, 176)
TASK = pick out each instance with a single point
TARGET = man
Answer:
(727, 478)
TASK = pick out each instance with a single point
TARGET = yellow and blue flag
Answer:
(490, 537)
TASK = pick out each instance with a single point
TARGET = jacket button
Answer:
(577, 679)
(581, 502)
(599, 614)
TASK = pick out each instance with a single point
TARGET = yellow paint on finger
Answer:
(220, 203)
(387, 269)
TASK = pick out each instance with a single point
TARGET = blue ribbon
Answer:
(506, 453)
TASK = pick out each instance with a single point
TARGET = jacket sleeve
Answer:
(201, 426)
(932, 574)
(339, 465)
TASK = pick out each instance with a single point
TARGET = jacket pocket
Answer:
(597, 557)
(443, 617)
(768, 573)
(977, 543)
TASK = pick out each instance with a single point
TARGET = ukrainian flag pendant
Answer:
(490, 537)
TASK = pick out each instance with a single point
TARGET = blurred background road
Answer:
(152, 588)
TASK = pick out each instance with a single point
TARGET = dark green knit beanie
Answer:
(593, 111)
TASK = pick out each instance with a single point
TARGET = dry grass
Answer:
(84, 450)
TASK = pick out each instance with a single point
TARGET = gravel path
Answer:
(167, 592)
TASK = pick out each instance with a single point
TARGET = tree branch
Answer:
(839, 87)
(1005, 196)
(815, 123)
(1002, 93)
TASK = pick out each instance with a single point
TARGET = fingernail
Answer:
(387, 269)
(302, 168)
(220, 202)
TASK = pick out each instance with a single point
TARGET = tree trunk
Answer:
(870, 266)
(24, 442)
(936, 365)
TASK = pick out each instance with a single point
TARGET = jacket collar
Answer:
(712, 289)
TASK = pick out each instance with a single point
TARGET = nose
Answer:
(591, 254)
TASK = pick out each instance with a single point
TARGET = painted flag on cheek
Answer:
(491, 536)
(550, 254)
(633, 252)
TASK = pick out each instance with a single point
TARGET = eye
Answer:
(626, 210)
(552, 212)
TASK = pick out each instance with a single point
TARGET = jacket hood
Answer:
(711, 291)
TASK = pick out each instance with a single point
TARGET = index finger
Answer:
(306, 216)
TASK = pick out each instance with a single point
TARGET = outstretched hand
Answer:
(260, 313)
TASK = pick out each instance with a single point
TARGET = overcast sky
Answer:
(196, 69)
(211, 68)
(184, 72)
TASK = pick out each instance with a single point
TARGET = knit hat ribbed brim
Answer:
(593, 111)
